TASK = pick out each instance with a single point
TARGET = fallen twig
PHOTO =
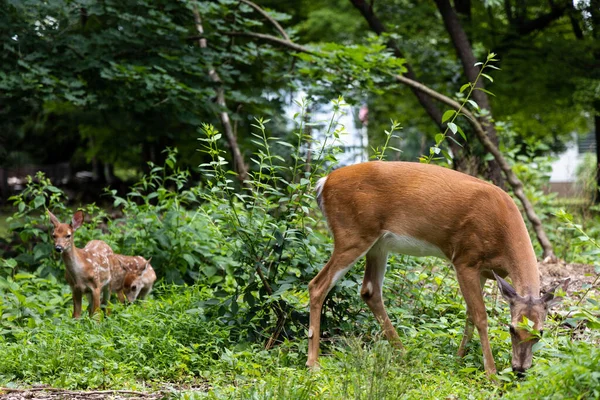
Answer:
(67, 391)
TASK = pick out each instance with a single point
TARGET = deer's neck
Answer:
(72, 258)
(525, 276)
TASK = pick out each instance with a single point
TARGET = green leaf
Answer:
(39, 201)
(452, 126)
(461, 132)
(485, 91)
(472, 103)
(487, 77)
(53, 189)
(465, 87)
(447, 115)
(190, 260)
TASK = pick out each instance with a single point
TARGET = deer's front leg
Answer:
(94, 301)
(470, 286)
(121, 296)
(106, 292)
(469, 327)
(77, 295)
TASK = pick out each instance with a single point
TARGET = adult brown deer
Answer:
(88, 270)
(425, 210)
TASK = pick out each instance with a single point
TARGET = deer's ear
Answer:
(53, 219)
(508, 292)
(550, 299)
(77, 220)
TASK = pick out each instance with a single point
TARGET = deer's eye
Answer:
(68, 236)
(133, 287)
(541, 332)
(512, 329)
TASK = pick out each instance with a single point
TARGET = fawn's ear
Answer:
(550, 299)
(77, 220)
(508, 292)
(53, 219)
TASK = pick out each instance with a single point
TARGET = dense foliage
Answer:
(233, 268)
(142, 87)
(116, 83)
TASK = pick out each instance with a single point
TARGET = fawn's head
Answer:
(63, 233)
(133, 283)
(527, 316)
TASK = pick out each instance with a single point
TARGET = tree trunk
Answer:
(594, 10)
(236, 154)
(468, 60)
(597, 135)
(426, 102)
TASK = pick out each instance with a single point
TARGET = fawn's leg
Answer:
(94, 300)
(77, 295)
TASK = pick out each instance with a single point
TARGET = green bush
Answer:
(574, 374)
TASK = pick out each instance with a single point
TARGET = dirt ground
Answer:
(47, 393)
(554, 273)
(77, 395)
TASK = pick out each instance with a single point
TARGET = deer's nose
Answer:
(58, 248)
(520, 371)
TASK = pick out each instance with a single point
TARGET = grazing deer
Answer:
(120, 266)
(426, 210)
(138, 282)
(88, 270)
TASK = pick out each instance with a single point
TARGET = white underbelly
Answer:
(409, 245)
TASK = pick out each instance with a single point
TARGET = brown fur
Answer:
(124, 266)
(87, 270)
(138, 283)
(474, 224)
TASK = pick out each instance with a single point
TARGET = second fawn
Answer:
(127, 268)
(88, 270)
(138, 284)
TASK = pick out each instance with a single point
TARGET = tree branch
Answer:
(542, 21)
(429, 106)
(513, 180)
(268, 17)
(284, 42)
(511, 177)
(238, 159)
(464, 51)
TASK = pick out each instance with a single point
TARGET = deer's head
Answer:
(63, 233)
(527, 316)
(134, 283)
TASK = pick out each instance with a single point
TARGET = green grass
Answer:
(168, 341)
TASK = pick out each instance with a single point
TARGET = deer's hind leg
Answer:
(345, 254)
(372, 287)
